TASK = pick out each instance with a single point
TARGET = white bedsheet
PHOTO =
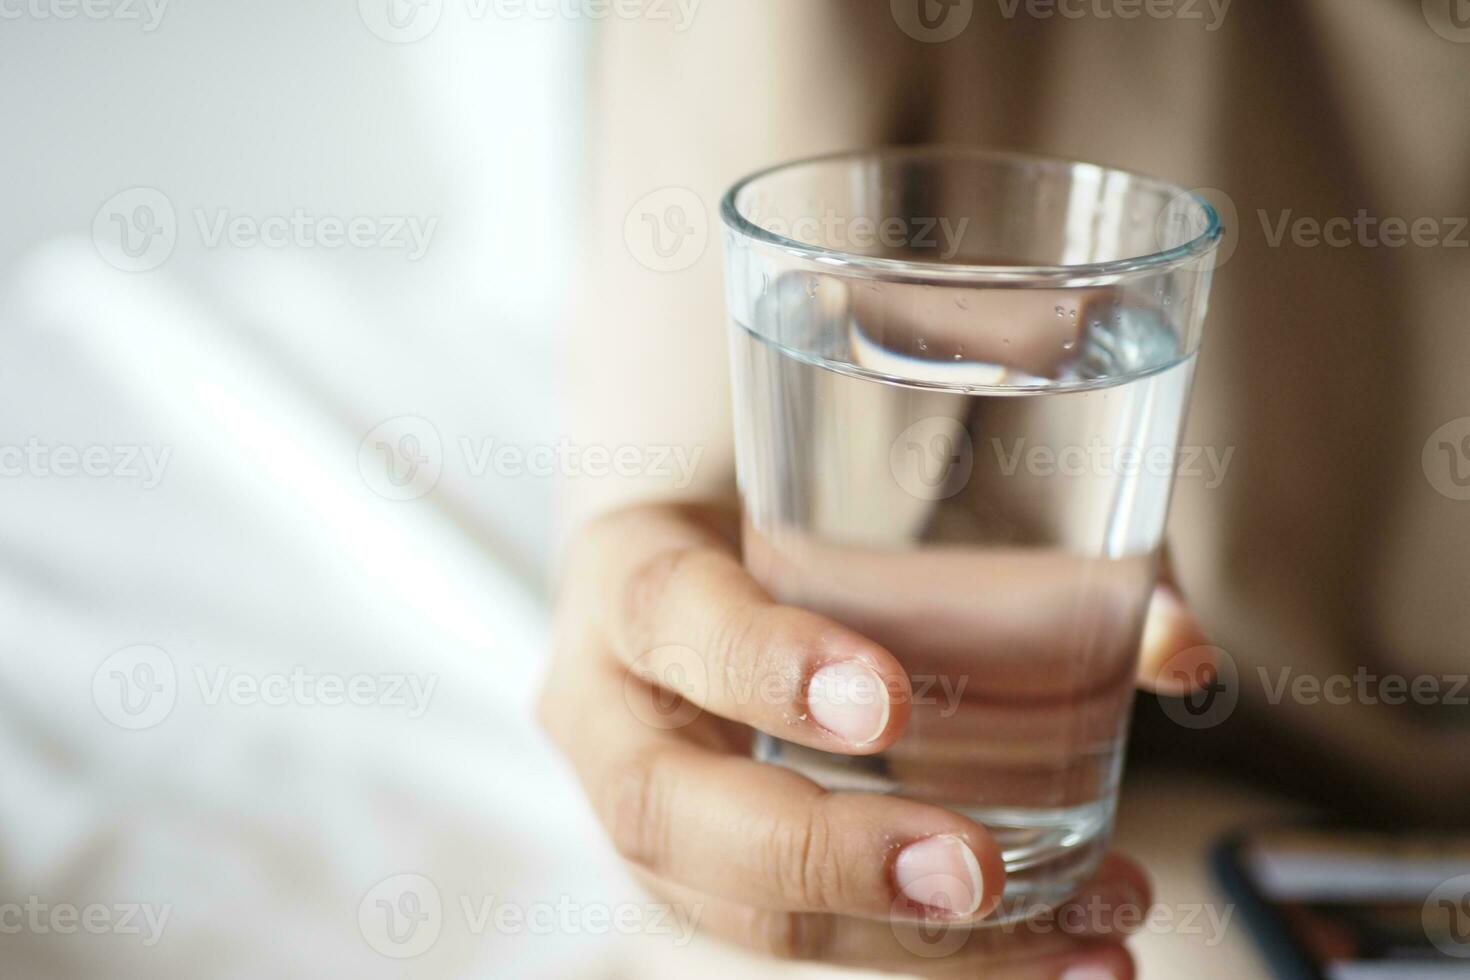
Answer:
(230, 537)
(251, 822)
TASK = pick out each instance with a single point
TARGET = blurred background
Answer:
(284, 294)
(236, 522)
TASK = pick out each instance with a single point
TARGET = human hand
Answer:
(776, 862)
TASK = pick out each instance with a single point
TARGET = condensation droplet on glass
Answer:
(961, 302)
(1069, 345)
(923, 344)
(811, 287)
(1061, 312)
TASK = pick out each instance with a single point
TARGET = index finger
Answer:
(675, 599)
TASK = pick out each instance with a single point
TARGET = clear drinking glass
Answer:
(960, 378)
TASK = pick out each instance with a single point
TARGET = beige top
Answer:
(1337, 543)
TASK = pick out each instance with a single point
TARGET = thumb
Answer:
(1175, 657)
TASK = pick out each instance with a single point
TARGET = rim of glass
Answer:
(1197, 246)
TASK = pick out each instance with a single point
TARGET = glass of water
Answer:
(960, 378)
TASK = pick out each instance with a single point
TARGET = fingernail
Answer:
(1165, 609)
(1178, 671)
(940, 873)
(850, 701)
(1186, 671)
(1089, 972)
